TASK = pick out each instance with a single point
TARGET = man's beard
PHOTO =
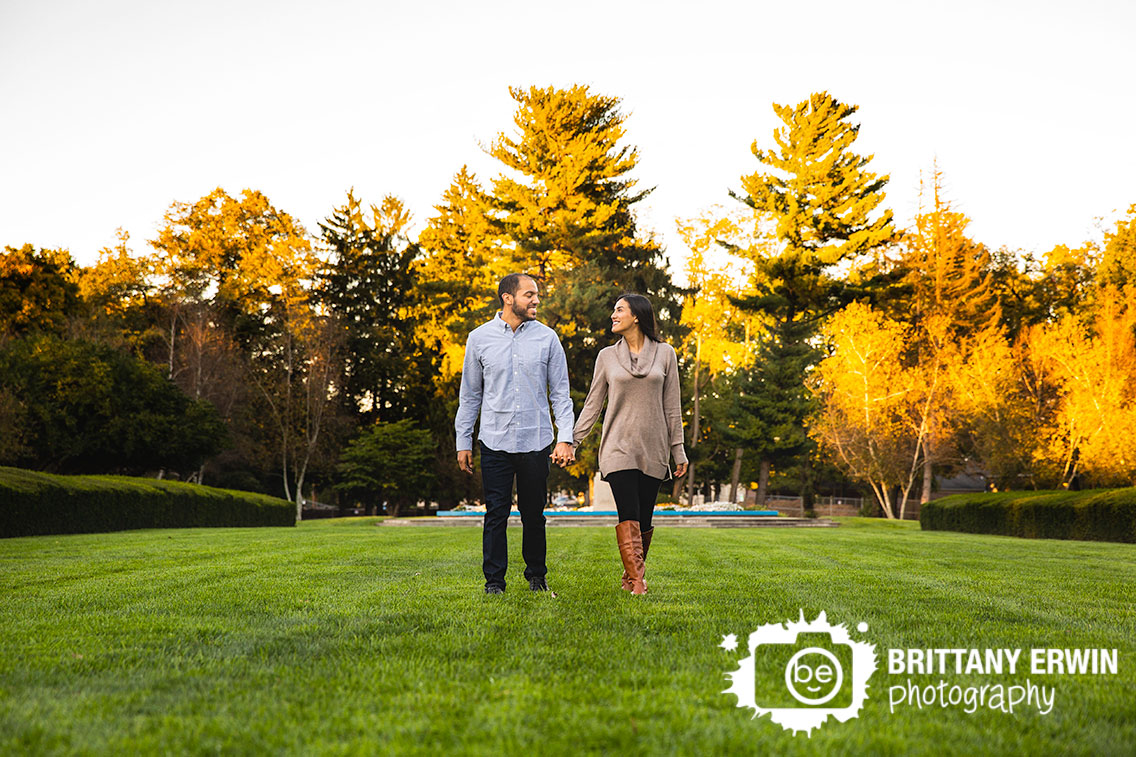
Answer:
(522, 313)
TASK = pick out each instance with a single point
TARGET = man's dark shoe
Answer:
(494, 589)
(538, 584)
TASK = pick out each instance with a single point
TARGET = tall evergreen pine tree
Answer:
(368, 285)
(567, 207)
(823, 200)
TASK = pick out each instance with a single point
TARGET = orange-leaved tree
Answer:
(1095, 368)
(236, 276)
(951, 297)
(874, 410)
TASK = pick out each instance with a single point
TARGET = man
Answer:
(513, 365)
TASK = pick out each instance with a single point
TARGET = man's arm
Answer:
(560, 398)
(469, 405)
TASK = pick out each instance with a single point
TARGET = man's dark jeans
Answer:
(498, 471)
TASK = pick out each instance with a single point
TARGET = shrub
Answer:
(34, 503)
(1094, 515)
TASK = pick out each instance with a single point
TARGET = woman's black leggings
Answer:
(635, 493)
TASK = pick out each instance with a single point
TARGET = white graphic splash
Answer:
(805, 718)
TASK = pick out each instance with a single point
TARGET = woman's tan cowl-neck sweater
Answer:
(642, 429)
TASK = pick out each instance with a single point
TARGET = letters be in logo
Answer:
(811, 672)
(800, 673)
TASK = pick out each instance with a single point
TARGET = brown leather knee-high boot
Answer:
(630, 542)
(645, 536)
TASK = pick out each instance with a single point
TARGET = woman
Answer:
(642, 430)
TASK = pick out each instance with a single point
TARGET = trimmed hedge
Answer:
(1093, 515)
(34, 503)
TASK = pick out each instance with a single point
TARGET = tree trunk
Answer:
(173, 336)
(925, 497)
(903, 504)
(735, 474)
(762, 483)
(697, 419)
(881, 491)
(199, 357)
(300, 491)
(886, 503)
(807, 493)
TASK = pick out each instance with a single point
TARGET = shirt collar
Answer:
(509, 329)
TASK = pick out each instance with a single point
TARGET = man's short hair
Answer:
(509, 285)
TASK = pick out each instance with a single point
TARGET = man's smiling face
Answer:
(525, 301)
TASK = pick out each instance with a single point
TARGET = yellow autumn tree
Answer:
(1095, 368)
(236, 275)
(952, 297)
(874, 410)
(717, 339)
(1116, 265)
(242, 250)
(221, 253)
(1059, 404)
(38, 290)
(119, 279)
(1004, 404)
(462, 260)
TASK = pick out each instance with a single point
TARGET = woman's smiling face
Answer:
(622, 319)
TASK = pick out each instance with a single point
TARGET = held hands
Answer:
(563, 454)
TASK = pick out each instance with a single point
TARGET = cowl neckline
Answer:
(642, 365)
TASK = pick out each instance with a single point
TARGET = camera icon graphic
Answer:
(801, 673)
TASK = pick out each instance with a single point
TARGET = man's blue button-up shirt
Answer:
(510, 376)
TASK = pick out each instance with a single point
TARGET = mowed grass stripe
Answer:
(341, 637)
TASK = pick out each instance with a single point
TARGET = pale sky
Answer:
(111, 111)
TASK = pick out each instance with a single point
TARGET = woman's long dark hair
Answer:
(641, 309)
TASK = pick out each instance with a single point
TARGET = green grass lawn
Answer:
(340, 637)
